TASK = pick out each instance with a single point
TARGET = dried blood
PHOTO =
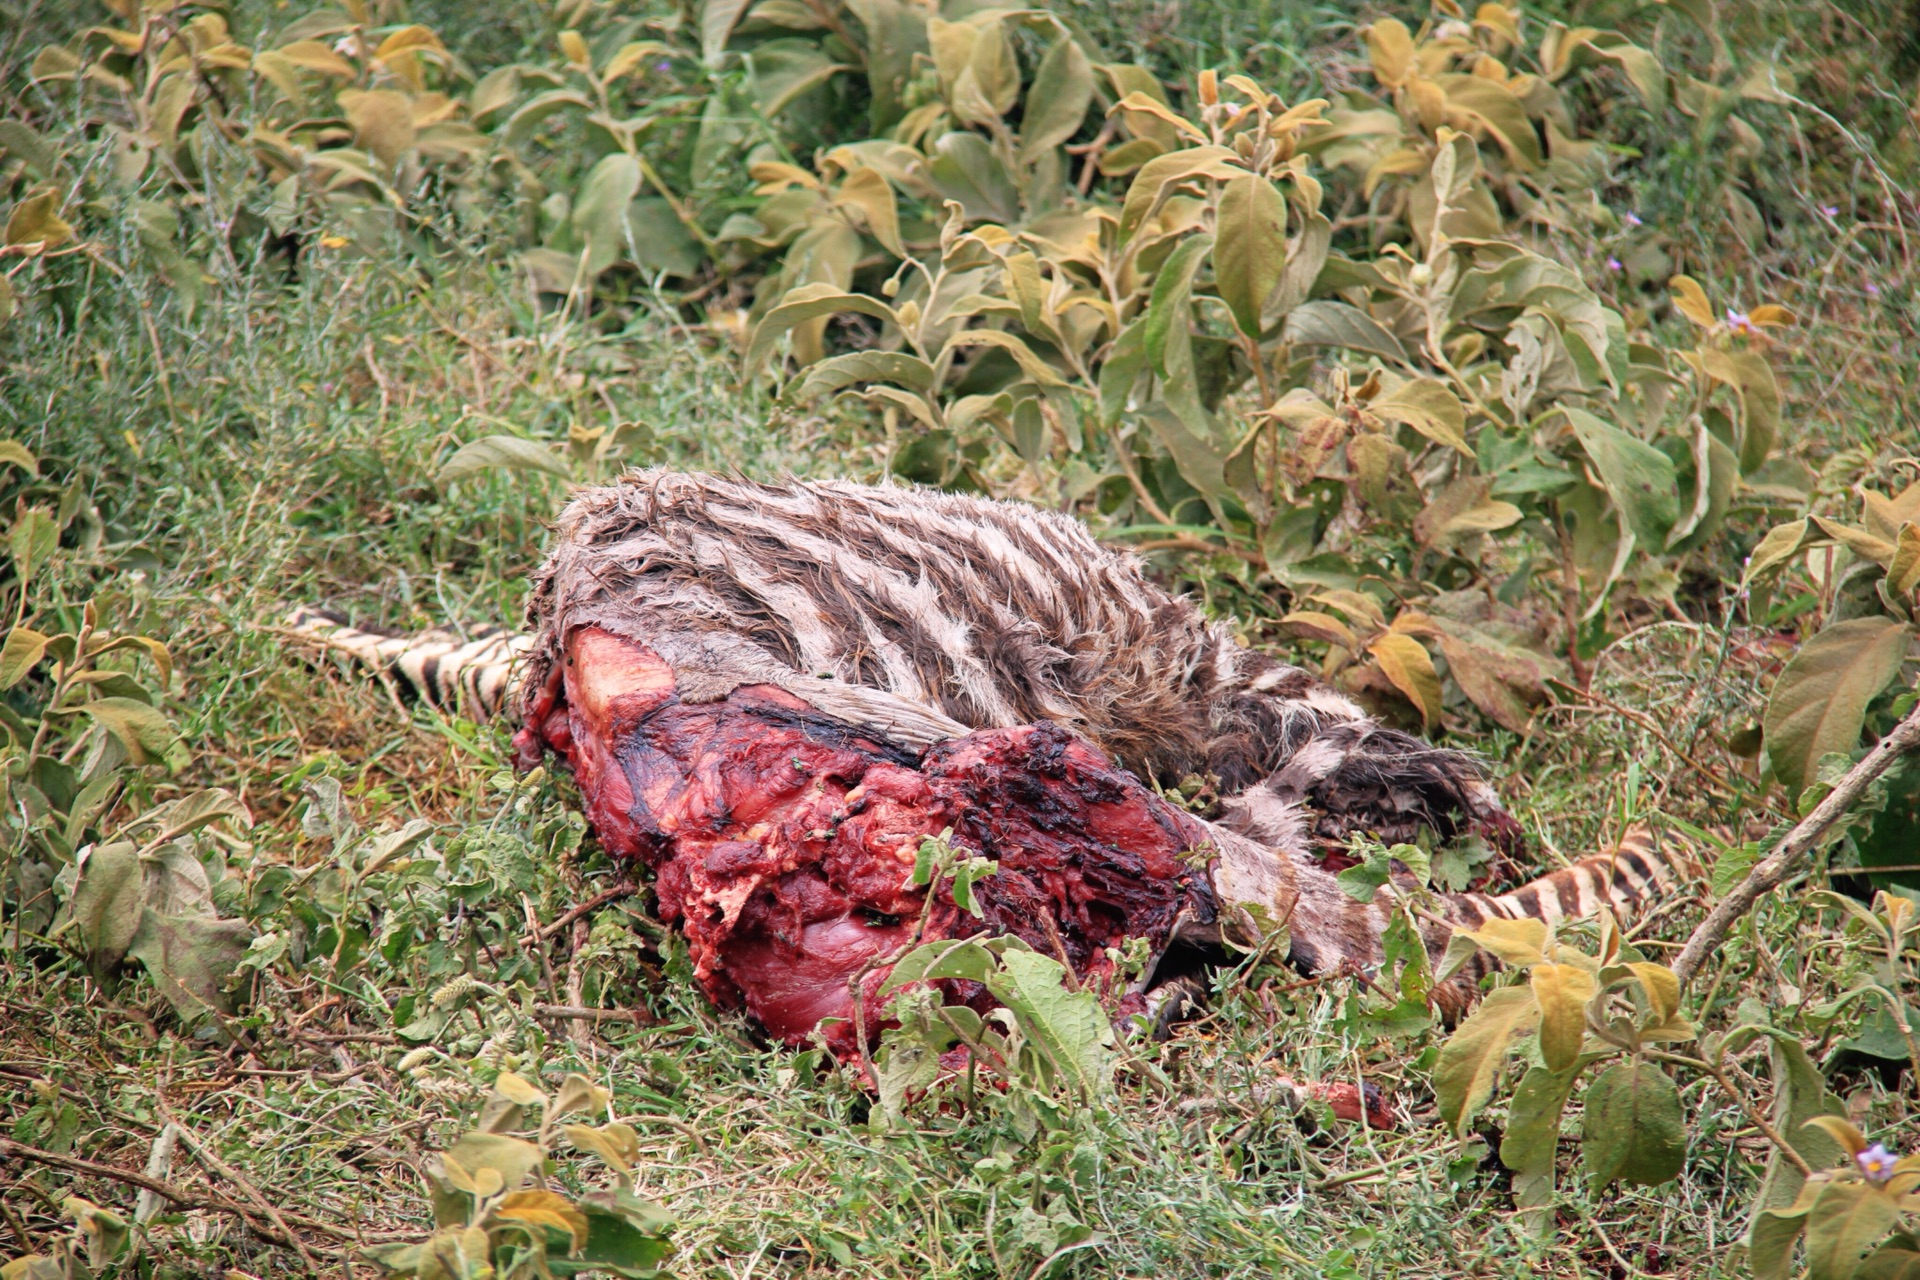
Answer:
(783, 841)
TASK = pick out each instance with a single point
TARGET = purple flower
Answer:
(1873, 289)
(1614, 264)
(1876, 1162)
(1831, 210)
(1633, 219)
(1738, 321)
(663, 66)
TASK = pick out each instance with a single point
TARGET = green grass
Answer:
(279, 445)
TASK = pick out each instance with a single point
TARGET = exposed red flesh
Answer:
(782, 841)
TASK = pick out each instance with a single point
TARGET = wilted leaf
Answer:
(1463, 1076)
(510, 1159)
(502, 453)
(107, 902)
(545, 1209)
(1820, 700)
(1633, 1129)
(518, 1090)
(190, 959)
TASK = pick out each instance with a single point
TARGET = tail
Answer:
(1638, 876)
(477, 673)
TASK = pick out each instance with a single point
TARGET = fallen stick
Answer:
(1787, 858)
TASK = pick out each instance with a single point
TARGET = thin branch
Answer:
(1788, 858)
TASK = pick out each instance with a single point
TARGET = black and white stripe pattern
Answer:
(476, 673)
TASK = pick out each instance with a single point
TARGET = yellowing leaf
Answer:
(312, 55)
(1562, 992)
(1390, 47)
(1463, 1076)
(518, 1090)
(1781, 544)
(1858, 541)
(382, 121)
(574, 48)
(1429, 407)
(1322, 626)
(1772, 315)
(1691, 299)
(1662, 987)
(1405, 662)
(545, 1209)
(35, 225)
(1903, 571)
(1521, 943)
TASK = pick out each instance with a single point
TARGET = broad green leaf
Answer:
(868, 190)
(147, 735)
(1847, 1219)
(1633, 1129)
(717, 19)
(625, 1236)
(963, 167)
(32, 540)
(1897, 1259)
(1407, 664)
(808, 302)
(1069, 1027)
(1770, 1240)
(1057, 100)
(1751, 377)
(600, 210)
(1820, 700)
(1532, 1139)
(1463, 1076)
(1325, 323)
(502, 453)
(20, 140)
(1562, 992)
(1639, 478)
(836, 373)
(1249, 248)
(783, 70)
(1169, 307)
(15, 454)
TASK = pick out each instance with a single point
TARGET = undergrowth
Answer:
(233, 416)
